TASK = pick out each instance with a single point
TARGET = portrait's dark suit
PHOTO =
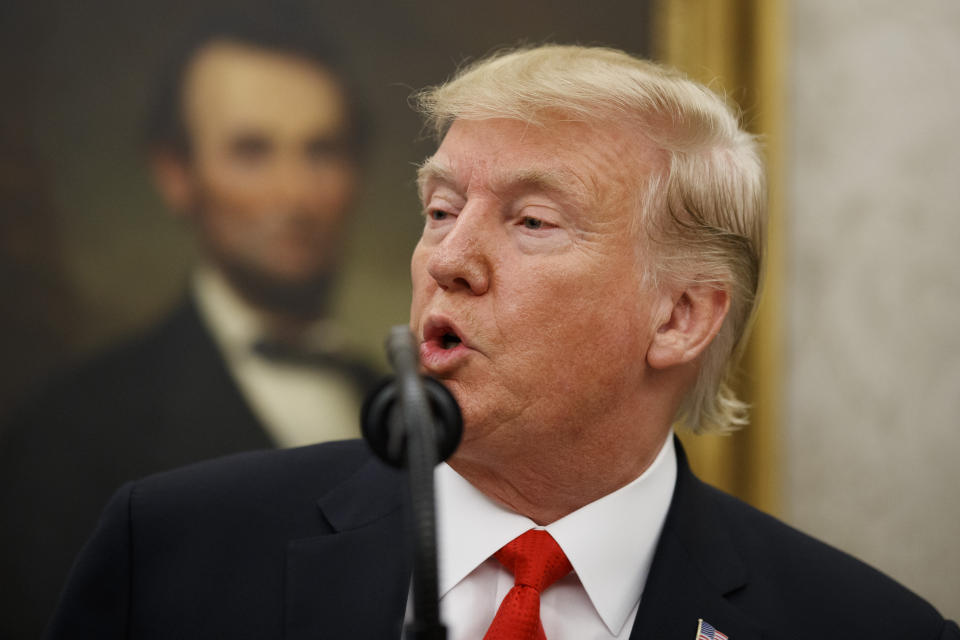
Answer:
(311, 543)
(160, 401)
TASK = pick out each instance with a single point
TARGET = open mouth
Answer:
(443, 347)
(449, 340)
(442, 334)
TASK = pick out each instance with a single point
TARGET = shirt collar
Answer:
(234, 324)
(610, 542)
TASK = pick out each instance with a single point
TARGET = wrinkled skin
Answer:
(527, 256)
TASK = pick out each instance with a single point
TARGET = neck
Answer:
(546, 487)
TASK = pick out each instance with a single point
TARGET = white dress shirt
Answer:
(610, 543)
(297, 404)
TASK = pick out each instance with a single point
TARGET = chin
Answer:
(299, 293)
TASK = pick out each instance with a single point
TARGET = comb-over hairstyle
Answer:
(703, 216)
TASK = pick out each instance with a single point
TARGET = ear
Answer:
(172, 178)
(694, 321)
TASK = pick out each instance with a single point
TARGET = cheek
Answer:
(420, 281)
(583, 322)
(227, 196)
(555, 306)
(333, 190)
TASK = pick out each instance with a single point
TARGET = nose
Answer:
(292, 184)
(462, 260)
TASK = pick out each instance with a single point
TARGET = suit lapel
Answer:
(695, 567)
(352, 582)
(206, 413)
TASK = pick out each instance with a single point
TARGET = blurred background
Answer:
(855, 365)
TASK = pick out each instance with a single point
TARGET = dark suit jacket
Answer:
(160, 401)
(312, 543)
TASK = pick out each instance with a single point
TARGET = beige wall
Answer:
(873, 374)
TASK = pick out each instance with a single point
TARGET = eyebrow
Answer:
(433, 170)
(564, 184)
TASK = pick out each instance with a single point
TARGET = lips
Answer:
(442, 332)
(443, 345)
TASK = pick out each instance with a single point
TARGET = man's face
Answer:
(528, 295)
(270, 175)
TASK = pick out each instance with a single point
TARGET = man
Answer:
(255, 142)
(589, 261)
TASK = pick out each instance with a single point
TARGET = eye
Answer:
(532, 223)
(325, 149)
(437, 215)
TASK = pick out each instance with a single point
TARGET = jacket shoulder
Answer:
(793, 576)
(314, 466)
(268, 483)
(206, 549)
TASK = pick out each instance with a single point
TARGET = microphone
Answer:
(427, 401)
(414, 422)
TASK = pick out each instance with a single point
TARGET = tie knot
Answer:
(535, 559)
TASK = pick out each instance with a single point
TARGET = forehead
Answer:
(231, 85)
(583, 161)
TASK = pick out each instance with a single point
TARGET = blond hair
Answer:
(704, 214)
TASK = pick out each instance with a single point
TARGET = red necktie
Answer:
(537, 561)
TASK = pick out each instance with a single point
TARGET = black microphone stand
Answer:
(406, 434)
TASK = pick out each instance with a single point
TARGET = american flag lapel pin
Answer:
(705, 631)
